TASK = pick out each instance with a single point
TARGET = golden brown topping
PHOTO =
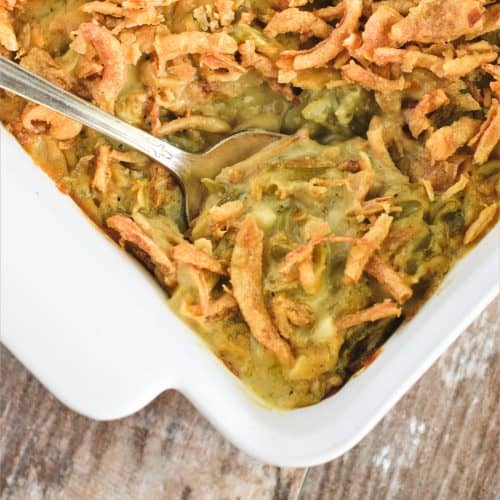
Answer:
(355, 73)
(445, 141)
(7, 34)
(417, 117)
(488, 135)
(227, 213)
(360, 254)
(436, 21)
(199, 280)
(60, 127)
(297, 21)
(170, 46)
(389, 279)
(102, 173)
(385, 309)
(189, 254)
(131, 232)
(215, 309)
(378, 27)
(484, 219)
(329, 48)
(110, 54)
(331, 12)
(303, 252)
(456, 188)
(246, 278)
(250, 58)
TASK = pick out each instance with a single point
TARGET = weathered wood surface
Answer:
(440, 441)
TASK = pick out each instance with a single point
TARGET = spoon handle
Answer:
(20, 81)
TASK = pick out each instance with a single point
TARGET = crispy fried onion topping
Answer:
(60, 127)
(355, 73)
(488, 136)
(484, 219)
(389, 279)
(7, 34)
(214, 309)
(170, 46)
(250, 58)
(437, 21)
(304, 252)
(246, 278)
(110, 55)
(102, 172)
(189, 254)
(417, 117)
(386, 309)
(329, 48)
(445, 141)
(131, 232)
(297, 21)
(378, 27)
(360, 254)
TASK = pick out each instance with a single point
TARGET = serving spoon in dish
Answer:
(188, 168)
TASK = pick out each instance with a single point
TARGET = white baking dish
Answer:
(94, 328)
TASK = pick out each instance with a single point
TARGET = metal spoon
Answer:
(189, 168)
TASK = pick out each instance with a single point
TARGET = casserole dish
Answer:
(106, 350)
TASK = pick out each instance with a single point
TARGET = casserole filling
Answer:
(307, 256)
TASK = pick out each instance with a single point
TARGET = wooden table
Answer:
(440, 441)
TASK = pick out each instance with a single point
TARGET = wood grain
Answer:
(440, 441)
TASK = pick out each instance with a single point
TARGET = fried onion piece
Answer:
(251, 59)
(488, 135)
(417, 117)
(303, 252)
(170, 46)
(297, 21)
(438, 21)
(456, 188)
(359, 255)
(445, 141)
(110, 54)
(389, 279)
(378, 26)
(483, 220)
(102, 173)
(382, 310)
(221, 68)
(494, 71)
(452, 68)
(355, 73)
(193, 122)
(199, 280)
(131, 232)
(189, 254)
(215, 309)
(61, 127)
(490, 21)
(329, 48)
(246, 278)
(375, 134)
(331, 12)
(7, 34)
(226, 214)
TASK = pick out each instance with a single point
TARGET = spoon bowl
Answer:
(188, 168)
